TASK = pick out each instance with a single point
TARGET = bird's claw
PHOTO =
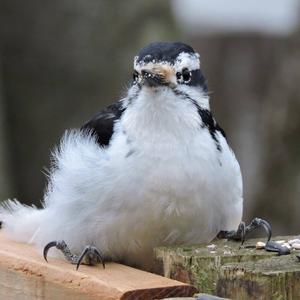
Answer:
(256, 223)
(92, 254)
(243, 230)
(47, 248)
(60, 245)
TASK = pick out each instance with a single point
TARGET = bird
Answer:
(152, 169)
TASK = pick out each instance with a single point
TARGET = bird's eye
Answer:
(178, 76)
(135, 76)
(186, 75)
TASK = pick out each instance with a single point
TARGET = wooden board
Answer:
(25, 275)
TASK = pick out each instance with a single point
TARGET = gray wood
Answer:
(231, 272)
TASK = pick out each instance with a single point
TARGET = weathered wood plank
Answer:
(231, 272)
(275, 278)
(25, 275)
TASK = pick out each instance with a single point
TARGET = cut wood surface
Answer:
(25, 275)
(226, 270)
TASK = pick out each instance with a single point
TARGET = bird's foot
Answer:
(236, 235)
(243, 230)
(90, 255)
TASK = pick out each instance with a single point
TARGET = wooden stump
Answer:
(227, 271)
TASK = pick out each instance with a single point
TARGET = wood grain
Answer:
(25, 275)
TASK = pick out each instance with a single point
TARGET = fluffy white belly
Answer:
(127, 204)
(174, 193)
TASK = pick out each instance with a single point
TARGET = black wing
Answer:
(102, 124)
(212, 126)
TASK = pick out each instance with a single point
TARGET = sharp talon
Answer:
(99, 257)
(90, 250)
(266, 226)
(298, 256)
(243, 233)
(94, 255)
(47, 247)
(86, 250)
(268, 229)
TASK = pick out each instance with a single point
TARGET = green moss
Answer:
(231, 271)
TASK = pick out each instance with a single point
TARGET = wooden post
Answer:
(227, 271)
(25, 275)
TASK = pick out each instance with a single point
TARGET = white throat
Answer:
(160, 113)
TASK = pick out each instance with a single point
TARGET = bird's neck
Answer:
(160, 114)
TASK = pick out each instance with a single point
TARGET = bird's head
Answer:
(173, 65)
(168, 92)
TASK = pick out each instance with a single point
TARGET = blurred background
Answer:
(61, 61)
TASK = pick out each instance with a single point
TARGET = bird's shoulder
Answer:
(212, 126)
(102, 123)
(210, 122)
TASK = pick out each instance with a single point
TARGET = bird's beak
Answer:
(151, 79)
(157, 76)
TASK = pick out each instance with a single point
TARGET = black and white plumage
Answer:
(152, 169)
(102, 124)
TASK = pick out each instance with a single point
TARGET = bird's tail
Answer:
(19, 222)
